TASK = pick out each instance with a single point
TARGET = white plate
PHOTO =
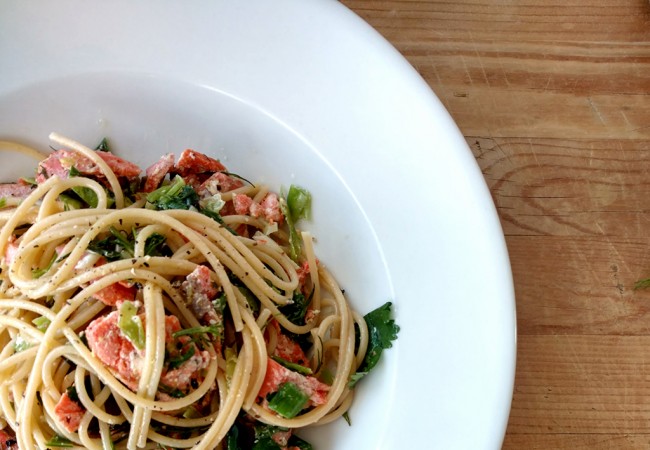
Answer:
(302, 92)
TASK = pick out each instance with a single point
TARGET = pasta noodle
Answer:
(105, 337)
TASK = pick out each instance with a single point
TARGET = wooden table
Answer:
(553, 98)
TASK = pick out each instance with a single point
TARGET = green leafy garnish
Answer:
(42, 323)
(251, 299)
(231, 362)
(292, 366)
(232, 438)
(264, 435)
(121, 245)
(131, 324)
(3, 202)
(21, 344)
(175, 195)
(70, 203)
(288, 401)
(298, 203)
(87, 195)
(39, 272)
(72, 394)
(103, 146)
(382, 331)
(59, 441)
(175, 363)
(297, 310)
(296, 206)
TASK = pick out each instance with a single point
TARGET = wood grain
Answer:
(553, 98)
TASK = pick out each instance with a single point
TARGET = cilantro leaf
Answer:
(176, 195)
(382, 331)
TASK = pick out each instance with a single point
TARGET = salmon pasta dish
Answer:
(179, 306)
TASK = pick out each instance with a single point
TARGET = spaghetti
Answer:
(165, 311)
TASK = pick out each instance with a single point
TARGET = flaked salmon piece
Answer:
(219, 182)
(109, 344)
(191, 161)
(69, 412)
(60, 162)
(8, 440)
(157, 172)
(276, 375)
(268, 208)
(15, 190)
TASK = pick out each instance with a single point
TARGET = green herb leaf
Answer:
(103, 146)
(176, 195)
(70, 203)
(59, 441)
(156, 245)
(297, 310)
(292, 366)
(288, 401)
(131, 324)
(295, 441)
(73, 172)
(383, 331)
(72, 393)
(87, 195)
(296, 206)
(231, 362)
(37, 273)
(41, 323)
(3, 202)
(220, 303)
(298, 203)
(121, 245)
(175, 363)
(251, 299)
(232, 438)
(21, 344)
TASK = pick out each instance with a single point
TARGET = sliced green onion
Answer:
(131, 324)
(288, 401)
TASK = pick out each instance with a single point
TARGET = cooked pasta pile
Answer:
(181, 309)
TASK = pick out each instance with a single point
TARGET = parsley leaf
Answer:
(382, 330)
